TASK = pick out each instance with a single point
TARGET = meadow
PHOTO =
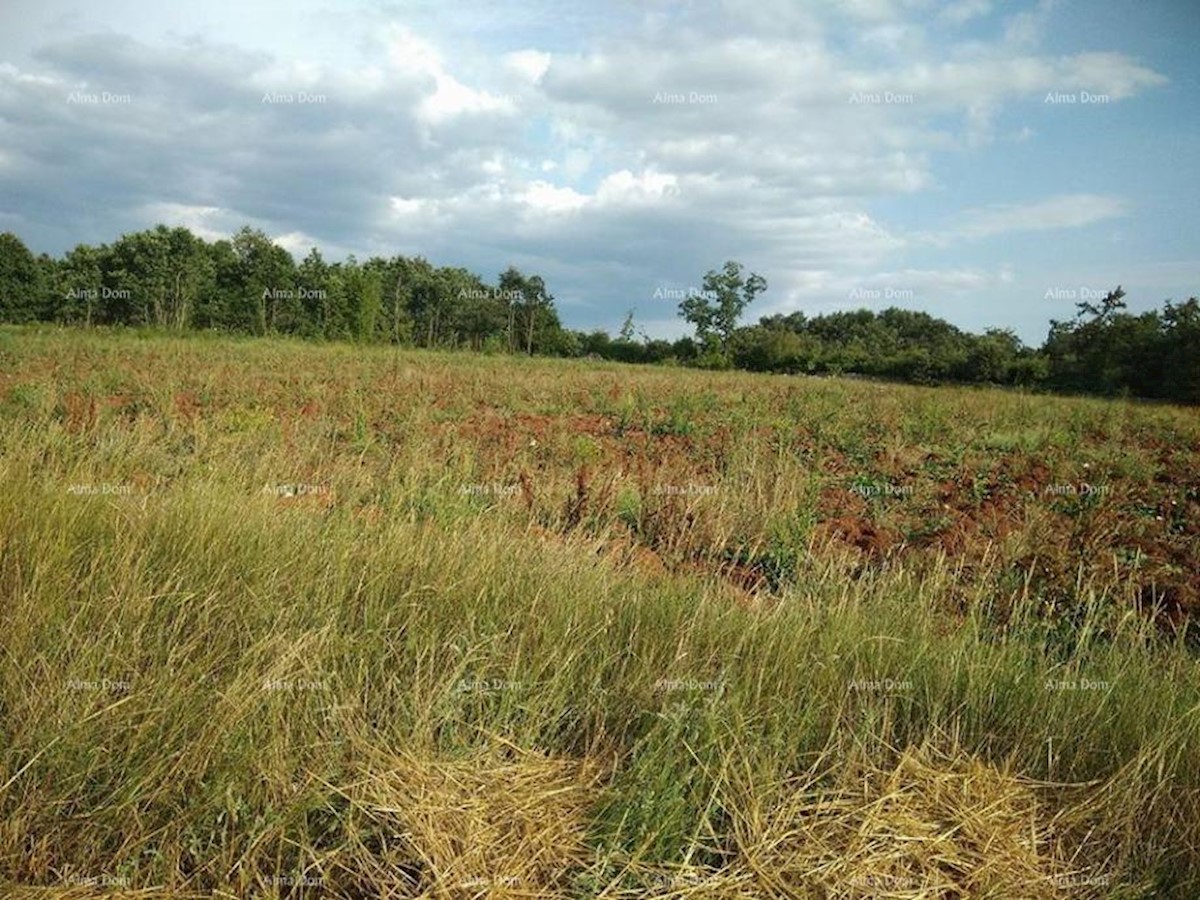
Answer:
(287, 620)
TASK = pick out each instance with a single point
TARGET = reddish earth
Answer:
(569, 468)
(872, 540)
(79, 412)
(187, 405)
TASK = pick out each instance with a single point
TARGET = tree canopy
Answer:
(169, 278)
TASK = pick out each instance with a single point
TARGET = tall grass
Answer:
(370, 680)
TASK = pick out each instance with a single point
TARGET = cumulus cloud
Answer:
(645, 147)
(961, 11)
(209, 222)
(531, 64)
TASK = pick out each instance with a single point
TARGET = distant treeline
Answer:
(170, 278)
(1102, 350)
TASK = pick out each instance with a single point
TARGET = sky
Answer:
(988, 162)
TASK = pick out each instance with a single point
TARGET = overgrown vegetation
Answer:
(172, 279)
(286, 620)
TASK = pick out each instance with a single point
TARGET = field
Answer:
(286, 620)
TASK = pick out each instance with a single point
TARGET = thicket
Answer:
(172, 279)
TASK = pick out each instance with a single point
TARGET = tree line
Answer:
(169, 278)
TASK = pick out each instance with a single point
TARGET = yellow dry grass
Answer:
(936, 824)
(499, 823)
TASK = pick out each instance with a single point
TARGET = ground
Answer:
(298, 620)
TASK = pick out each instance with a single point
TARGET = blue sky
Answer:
(861, 153)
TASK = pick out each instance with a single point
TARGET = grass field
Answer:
(287, 620)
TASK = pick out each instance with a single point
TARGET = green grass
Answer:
(195, 673)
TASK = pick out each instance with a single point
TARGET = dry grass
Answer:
(291, 621)
(490, 825)
(934, 825)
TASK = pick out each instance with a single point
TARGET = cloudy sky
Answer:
(968, 158)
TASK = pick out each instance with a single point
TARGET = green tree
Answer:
(312, 289)
(714, 311)
(395, 280)
(533, 323)
(992, 356)
(76, 285)
(225, 305)
(21, 282)
(266, 277)
(429, 301)
(626, 334)
(1180, 350)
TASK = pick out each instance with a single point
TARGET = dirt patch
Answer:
(79, 412)
(187, 406)
(872, 540)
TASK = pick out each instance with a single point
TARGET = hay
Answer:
(499, 823)
(933, 825)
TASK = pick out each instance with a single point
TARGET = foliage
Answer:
(168, 278)
(715, 310)
(1106, 350)
(21, 285)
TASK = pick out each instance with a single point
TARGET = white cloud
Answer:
(623, 187)
(583, 178)
(453, 98)
(409, 53)
(296, 243)
(1053, 213)
(403, 206)
(962, 11)
(575, 164)
(208, 222)
(416, 57)
(10, 71)
(1025, 28)
(530, 64)
(1108, 73)
(541, 196)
